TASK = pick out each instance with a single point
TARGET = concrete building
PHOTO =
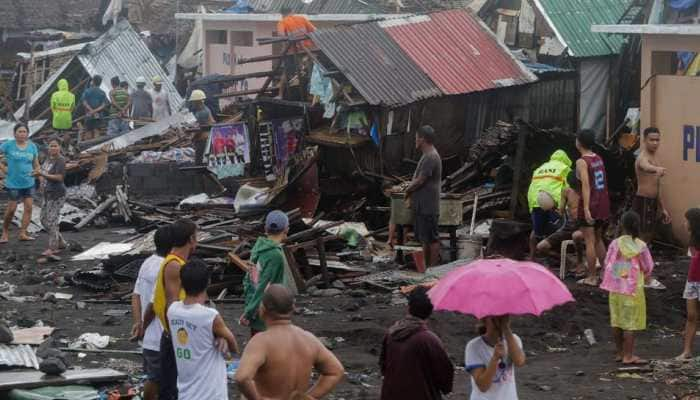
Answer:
(669, 98)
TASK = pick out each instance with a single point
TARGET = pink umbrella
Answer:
(499, 287)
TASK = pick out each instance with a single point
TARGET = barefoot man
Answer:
(647, 203)
(278, 362)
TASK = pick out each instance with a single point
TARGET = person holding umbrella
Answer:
(491, 359)
(492, 290)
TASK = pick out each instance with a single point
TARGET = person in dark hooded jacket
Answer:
(413, 360)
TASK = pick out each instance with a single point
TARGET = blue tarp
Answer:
(682, 4)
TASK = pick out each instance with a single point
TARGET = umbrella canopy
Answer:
(499, 287)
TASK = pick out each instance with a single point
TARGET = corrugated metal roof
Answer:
(355, 6)
(572, 21)
(399, 61)
(317, 6)
(457, 52)
(18, 356)
(118, 52)
(375, 65)
(7, 128)
(121, 52)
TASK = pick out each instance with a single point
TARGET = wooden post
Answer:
(321, 247)
(30, 83)
(517, 170)
(296, 274)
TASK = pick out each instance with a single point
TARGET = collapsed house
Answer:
(118, 52)
(444, 69)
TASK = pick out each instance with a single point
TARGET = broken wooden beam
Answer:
(244, 93)
(99, 210)
(260, 59)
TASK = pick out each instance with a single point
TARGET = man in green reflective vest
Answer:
(62, 106)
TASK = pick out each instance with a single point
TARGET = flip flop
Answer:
(4, 241)
(655, 284)
(638, 361)
(27, 239)
(587, 282)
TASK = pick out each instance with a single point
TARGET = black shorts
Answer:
(598, 224)
(290, 64)
(151, 365)
(565, 233)
(94, 123)
(167, 388)
(425, 228)
(544, 223)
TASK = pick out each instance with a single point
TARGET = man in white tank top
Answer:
(277, 363)
(201, 369)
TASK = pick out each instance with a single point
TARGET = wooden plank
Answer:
(296, 274)
(321, 247)
(36, 379)
(259, 59)
(518, 170)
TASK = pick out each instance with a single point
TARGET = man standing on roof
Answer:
(161, 103)
(141, 101)
(293, 26)
(119, 111)
(94, 101)
(62, 106)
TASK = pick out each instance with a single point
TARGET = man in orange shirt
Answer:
(293, 26)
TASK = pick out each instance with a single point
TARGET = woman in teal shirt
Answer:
(21, 166)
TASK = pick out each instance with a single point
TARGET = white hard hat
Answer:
(140, 80)
(157, 80)
(545, 201)
(197, 95)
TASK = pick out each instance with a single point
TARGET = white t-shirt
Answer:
(161, 109)
(478, 355)
(145, 286)
(201, 368)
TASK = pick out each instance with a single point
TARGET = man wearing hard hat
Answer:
(544, 196)
(161, 102)
(204, 118)
(141, 102)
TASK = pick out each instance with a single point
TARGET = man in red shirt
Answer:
(594, 207)
(293, 26)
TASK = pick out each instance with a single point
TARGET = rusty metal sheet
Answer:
(373, 63)
(457, 51)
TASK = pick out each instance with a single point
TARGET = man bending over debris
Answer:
(143, 292)
(544, 197)
(183, 237)
(270, 268)
(277, 363)
(200, 365)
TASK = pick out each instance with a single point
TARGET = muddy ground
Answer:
(573, 370)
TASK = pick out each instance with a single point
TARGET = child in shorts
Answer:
(692, 285)
(628, 265)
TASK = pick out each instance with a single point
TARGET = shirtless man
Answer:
(647, 203)
(278, 362)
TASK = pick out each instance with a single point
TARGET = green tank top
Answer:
(120, 98)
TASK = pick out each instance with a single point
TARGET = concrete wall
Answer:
(222, 58)
(670, 103)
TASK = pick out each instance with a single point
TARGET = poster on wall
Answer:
(286, 133)
(228, 149)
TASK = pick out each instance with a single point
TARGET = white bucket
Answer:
(469, 248)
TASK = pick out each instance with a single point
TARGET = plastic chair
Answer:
(562, 264)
